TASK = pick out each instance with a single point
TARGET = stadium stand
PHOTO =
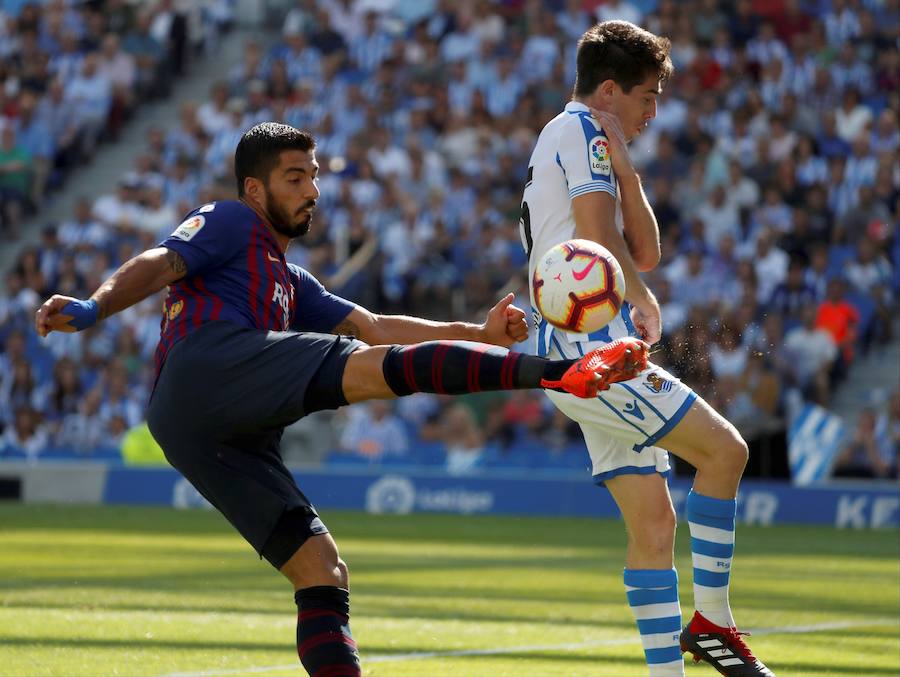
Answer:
(772, 168)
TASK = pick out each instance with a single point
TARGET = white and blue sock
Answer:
(711, 521)
(653, 598)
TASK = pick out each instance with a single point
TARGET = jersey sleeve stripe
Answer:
(592, 187)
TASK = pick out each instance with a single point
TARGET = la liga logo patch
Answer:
(599, 154)
(599, 148)
(189, 227)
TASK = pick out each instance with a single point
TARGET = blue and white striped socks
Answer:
(711, 521)
(653, 598)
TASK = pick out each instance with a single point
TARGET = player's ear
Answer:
(253, 188)
(606, 89)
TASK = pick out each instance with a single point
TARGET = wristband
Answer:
(84, 313)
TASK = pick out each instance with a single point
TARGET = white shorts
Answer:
(623, 423)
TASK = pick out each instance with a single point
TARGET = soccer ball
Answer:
(578, 286)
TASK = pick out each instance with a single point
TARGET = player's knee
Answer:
(343, 574)
(734, 455)
(725, 454)
(333, 571)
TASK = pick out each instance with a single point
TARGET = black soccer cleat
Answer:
(722, 648)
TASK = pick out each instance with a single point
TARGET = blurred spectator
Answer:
(770, 263)
(867, 453)
(841, 320)
(373, 430)
(810, 353)
(35, 137)
(720, 217)
(16, 168)
(869, 269)
(888, 427)
(20, 389)
(728, 356)
(793, 295)
(119, 68)
(852, 118)
(89, 94)
(64, 394)
(83, 430)
(463, 438)
(25, 436)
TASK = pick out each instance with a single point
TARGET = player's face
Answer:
(636, 108)
(291, 192)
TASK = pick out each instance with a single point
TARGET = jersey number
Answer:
(525, 219)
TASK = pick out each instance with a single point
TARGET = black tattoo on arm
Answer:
(346, 328)
(176, 263)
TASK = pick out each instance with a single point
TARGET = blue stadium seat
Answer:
(428, 453)
(865, 306)
(60, 454)
(346, 459)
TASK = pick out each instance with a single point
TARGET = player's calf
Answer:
(458, 367)
(324, 643)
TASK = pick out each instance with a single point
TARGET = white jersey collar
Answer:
(576, 107)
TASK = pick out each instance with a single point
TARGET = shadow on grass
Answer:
(261, 581)
(572, 655)
(141, 642)
(790, 667)
(418, 615)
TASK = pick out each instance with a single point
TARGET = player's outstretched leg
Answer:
(713, 446)
(458, 367)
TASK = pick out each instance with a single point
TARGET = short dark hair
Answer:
(622, 52)
(257, 152)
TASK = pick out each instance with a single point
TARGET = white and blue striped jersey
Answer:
(571, 158)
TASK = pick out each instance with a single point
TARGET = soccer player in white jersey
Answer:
(581, 183)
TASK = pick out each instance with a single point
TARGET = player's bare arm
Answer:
(134, 281)
(504, 325)
(641, 228)
(595, 219)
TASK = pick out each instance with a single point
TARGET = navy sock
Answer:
(457, 367)
(324, 643)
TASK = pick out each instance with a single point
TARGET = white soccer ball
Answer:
(578, 286)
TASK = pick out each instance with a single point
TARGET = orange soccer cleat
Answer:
(621, 360)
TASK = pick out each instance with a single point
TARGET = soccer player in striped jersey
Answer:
(581, 184)
(250, 344)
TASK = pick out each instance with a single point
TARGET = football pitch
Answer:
(147, 591)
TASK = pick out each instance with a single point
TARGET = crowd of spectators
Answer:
(771, 166)
(72, 73)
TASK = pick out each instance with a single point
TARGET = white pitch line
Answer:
(419, 655)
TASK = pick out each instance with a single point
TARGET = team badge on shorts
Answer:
(657, 384)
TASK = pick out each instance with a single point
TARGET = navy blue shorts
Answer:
(223, 397)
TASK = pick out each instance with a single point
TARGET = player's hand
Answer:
(647, 320)
(618, 144)
(64, 313)
(505, 323)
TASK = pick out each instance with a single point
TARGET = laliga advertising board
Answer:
(578, 286)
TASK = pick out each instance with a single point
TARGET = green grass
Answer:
(145, 591)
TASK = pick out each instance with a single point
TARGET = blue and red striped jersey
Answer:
(236, 272)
